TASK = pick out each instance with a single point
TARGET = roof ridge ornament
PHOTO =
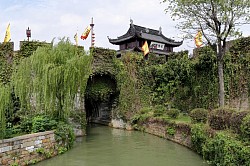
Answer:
(132, 30)
(160, 31)
(131, 21)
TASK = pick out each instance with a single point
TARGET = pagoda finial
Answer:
(160, 30)
(131, 21)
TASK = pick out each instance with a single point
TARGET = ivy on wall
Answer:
(126, 73)
(186, 83)
(134, 92)
(4, 104)
(100, 88)
(27, 48)
(238, 68)
(6, 58)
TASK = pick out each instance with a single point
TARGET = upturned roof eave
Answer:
(121, 40)
(162, 40)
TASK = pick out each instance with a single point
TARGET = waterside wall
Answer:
(179, 133)
(27, 149)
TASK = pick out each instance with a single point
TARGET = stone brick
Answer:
(38, 142)
(39, 146)
(17, 142)
(5, 149)
(52, 137)
(17, 146)
(30, 148)
(4, 161)
(45, 141)
(3, 145)
(41, 137)
(10, 162)
(21, 156)
(28, 144)
(25, 152)
(28, 140)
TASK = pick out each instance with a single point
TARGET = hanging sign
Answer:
(156, 45)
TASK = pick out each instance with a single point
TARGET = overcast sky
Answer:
(63, 18)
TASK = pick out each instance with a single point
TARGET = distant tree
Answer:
(218, 20)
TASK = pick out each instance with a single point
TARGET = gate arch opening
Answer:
(100, 98)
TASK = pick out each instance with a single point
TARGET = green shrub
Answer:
(223, 150)
(79, 117)
(38, 124)
(198, 137)
(199, 115)
(42, 123)
(137, 118)
(236, 121)
(64, 135)
(142, 116)
(245, 128)
(173, 113)
(170, 131)
(26, 124)
(145, 110)
(159, 110)
(219, 119)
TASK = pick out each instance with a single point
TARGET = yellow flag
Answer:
(198, 39)
(7, 34)
(145, 48)
(76, 39)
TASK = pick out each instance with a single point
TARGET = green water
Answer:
(104, 146)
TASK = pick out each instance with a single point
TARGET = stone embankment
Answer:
(179, 133)
(27, 149)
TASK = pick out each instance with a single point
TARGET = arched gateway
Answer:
(101, 93)
(100, 98)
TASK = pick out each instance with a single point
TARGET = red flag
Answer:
(86, 33)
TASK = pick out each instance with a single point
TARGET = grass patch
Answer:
(183, 119)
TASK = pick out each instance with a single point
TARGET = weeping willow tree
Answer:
(4, 103)
(50, 80)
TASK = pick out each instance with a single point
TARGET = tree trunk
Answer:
(220, 61)
(221, 84)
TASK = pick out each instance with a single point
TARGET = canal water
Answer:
(104, 146)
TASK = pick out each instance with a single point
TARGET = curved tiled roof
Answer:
(136, 31)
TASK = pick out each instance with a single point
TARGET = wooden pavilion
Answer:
(136, 35)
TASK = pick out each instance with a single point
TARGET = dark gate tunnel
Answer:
(100, 97)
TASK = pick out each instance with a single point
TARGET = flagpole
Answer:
(92, 32)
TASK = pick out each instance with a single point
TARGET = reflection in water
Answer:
(105, 146)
